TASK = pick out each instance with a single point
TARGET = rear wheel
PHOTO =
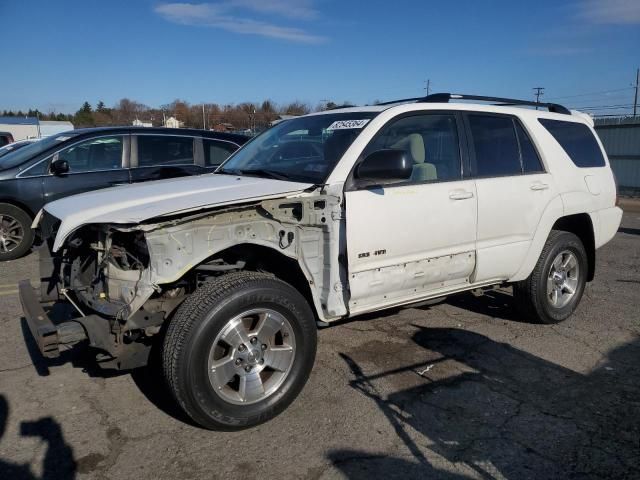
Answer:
(553, 290)
(16, 235)
(239, 350)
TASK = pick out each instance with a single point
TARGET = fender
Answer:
(553, 211)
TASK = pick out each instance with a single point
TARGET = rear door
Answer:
(216, 151)
(513, 191)
(94, 163)
(157, 156)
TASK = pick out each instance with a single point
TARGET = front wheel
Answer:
(16, 235)
(553, 290)
(239, 350)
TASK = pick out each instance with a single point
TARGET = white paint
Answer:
(132, 204)
(387, 228)
(405, 243)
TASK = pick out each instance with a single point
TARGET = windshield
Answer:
(12, 147)
(18, 157)
(304, 149)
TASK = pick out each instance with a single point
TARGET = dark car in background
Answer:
(12, 147)
(5, 138)
(89, 159)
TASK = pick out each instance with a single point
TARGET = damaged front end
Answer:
(123, 282)
(103, 277)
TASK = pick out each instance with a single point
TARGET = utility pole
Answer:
(635, 100)
(204, 123)
(427, 86)
(538, 92)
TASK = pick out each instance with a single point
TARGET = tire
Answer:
(535, 297)
(16, 235)
(202, 349)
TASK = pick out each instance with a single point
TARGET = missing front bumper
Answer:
(47, 335)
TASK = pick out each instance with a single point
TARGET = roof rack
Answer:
(446, 97)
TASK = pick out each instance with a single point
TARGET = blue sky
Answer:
(61, 53)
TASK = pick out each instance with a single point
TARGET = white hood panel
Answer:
(131, 204)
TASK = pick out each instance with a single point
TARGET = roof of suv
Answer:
(441, 102)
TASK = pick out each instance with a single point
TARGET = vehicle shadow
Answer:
(493, 303)
(58, 463)
(149, 379)
(629, 231)
(498, 411)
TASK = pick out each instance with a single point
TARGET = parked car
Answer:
(321, 218)
(12, 147)
(5, 138)
(90, 159)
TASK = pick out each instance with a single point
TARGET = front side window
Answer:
(431, 142)
(495, 146)
(158, 150)
(577, 140)
(104, 153)
(216, 152)
(304, 149)
(25, 154)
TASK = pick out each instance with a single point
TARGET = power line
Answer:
(607, 107)
(591, 93)
(427, 86)
(635, 99)
(538, 91)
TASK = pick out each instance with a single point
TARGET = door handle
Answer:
(539, 186)
(460, 195)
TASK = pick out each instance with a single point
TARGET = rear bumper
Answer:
(609, 221)
(47, 335)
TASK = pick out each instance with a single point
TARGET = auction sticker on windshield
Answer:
(347, 124)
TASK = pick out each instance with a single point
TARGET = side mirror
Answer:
(389, 164)
(59, 167)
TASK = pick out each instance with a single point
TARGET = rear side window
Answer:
(577, 141)
(160, 150)
(530, 160)
(495, 145)
(216, 152)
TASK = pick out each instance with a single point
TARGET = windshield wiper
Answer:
(260, 172)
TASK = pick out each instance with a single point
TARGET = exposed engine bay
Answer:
(125, 281)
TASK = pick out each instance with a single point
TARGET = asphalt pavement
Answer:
(463, 389)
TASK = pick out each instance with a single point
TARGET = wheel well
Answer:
(581, 225)
(264, 259)
(19, 205)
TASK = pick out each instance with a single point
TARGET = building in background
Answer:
(23, 128)
(49, 127)
(20, 127)
(621, 140)
(173, 122)
(140, 123)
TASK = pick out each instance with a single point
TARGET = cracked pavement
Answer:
(462, 389)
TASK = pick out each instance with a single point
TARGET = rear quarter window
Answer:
(577, 140)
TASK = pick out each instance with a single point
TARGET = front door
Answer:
(93, 164)
(412, 239)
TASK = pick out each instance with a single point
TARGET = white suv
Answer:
(321, 218)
